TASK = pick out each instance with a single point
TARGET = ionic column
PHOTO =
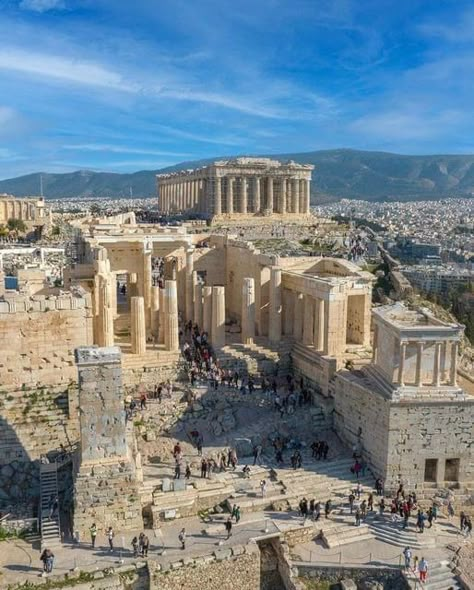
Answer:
(230, 195)
(218, 317)
(444, 356)
(218, 197)
(282, 206)
(401, 364)
(454, 364)
(419, 355)
(161, 316)
(248, 311)
(270, 193)
(299, 312)
(207, 309)
(138, 330)
(197, 302)
(274, 326)
(295, 195)
(308, 324)
(437, 365)
(155, 312)
(307, 194)
(189, 285)
(171, 310)
(256, 194)
(243, 195)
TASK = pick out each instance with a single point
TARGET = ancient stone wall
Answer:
(236, 568)
(212, 262)
(41, 334)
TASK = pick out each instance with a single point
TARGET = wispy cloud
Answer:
(118, 149)
(41, 5)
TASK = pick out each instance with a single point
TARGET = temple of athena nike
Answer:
(240, 187)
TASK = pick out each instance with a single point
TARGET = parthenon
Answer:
(244, 186)
(29, 209)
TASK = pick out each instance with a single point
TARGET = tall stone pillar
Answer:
(307, 195)
(197, 302)
(248, 311)
(319, 324)
(207, 309)
(161, 316)
(298, 320)
(105, 315)
(230, 195)
(454, 364)
(269, 204)
(283, 192)
(105, 486)
(274, 326)
(308, 324)
(132, 280)
(155, 313)
(256, 194)
(243, 195)
(217, 197)
(171, 310)
(147, 283)
(302, 200)
(401, 364)
(418, 369)
(295, 194)
(138, 330)
(218, 317)
(189, 284)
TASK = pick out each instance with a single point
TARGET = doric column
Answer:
(161, 316)
(138, 331)
(295, 194)
(171, 310)
(269, 204)
(274, 325)
(308, 324)
(282, 204)
(320, 341)
(217, 197)
(189, 284)
(155, 313)
(243, 195)
(256, 194)
(437, 365)
(132, 284)
(207, 309)
(248, 311)
(197, 302)
(218, 317)
(302, 199)
(401, 364)
(298, 321)
(105, 320)
(230, 195)
(307, 194)
(289, 303)
(454, 364)
(419, 357)
(147, 284)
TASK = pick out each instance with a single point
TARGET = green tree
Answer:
(16, 225)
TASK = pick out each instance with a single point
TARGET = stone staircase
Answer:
(440, 577)
(258, 357)
(393, 533)
(49, 527)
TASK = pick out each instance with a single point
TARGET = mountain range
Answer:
(341, 173)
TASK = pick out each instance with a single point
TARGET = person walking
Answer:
(327, 508)
(357, 517)
(145, 545)
(263, 487)
(182, 538)
(135, 546)
(351, 501)
(370, 502)
(228, 527)
(381, 507)
(257, 453)
(423, 569)
(407, 555)
(110, 538)
(93, 532)
(47, 557)
(237, 515)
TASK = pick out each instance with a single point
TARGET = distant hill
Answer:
(343, 173)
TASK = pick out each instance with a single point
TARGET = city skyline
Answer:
(111, 86)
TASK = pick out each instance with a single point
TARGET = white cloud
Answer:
(117, 149)
(41, 5)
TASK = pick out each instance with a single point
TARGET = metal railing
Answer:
(337, 559)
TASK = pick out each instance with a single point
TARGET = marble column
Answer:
(274, 325)
(105, 319)
(283, 191)
(248, 311)
(218, 317)
(256, 194)
(155, 313)
(171, 310)
(197, 302)
(307, 194)
(207, 309)
(437, 365)
(230, 195)
(132, 285)
(308, 323)
(289, 309)
(302, 199)
(295, 195)
(401, 363)
(189, 284)
(243, 195)
(217, 197)
(320, 325)
(161, 316)
(444, 358)
(298, 318)
(147, 284)
(454, 364)
(113, 294)
(269, 203)
(138, 329)
(419, 359)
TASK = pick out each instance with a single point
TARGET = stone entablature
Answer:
(258, 186)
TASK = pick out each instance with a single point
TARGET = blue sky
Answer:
(125, 85)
